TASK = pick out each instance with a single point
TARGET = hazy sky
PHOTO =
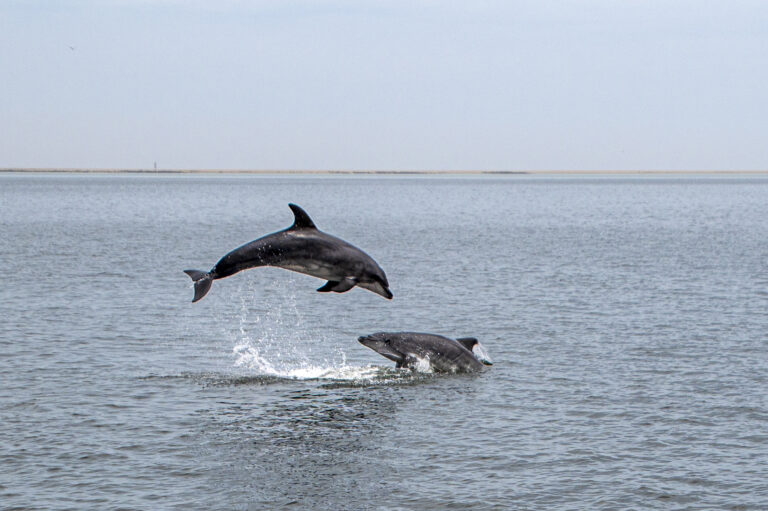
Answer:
(496, 85)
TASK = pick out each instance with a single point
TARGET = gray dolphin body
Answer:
(304, 249)
(411, 349)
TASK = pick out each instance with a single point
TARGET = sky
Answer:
(384, 85)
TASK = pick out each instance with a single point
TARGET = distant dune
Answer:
(380, 172)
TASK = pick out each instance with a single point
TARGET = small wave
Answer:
(347, 376)
(248, 357)
(207, 378)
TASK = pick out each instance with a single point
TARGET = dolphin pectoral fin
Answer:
(345, 285)
(328, 287)
(338, 286)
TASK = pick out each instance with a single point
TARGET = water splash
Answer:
(279, 342)
(422, 365)
(481, 354)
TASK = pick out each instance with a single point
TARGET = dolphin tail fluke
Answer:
(203, 283)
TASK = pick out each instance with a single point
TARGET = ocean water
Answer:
(627, 318)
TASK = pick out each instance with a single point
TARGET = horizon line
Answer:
(366, 172)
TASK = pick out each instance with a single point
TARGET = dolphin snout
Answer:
(370, 341)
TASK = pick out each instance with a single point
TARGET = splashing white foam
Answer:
(277, 342)
(247, 356)
(422, 365)
(481, 354)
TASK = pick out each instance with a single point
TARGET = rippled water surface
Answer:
(627, 319)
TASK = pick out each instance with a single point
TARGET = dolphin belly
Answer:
(313, 268)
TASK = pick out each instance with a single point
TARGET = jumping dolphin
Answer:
(304, 249)
(442, 355)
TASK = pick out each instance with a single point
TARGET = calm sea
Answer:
(627, 318)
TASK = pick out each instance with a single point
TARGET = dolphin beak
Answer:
(368, 342)
(381, 290)
(381, 348)
(378, 288)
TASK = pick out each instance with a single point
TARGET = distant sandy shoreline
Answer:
(383, 172)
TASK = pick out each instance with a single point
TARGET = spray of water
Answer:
(422, 365)
(278, 341)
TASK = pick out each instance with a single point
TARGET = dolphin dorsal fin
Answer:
(467, 342)
(302, 220)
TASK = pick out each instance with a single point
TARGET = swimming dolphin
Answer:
(304, 249)
(443, 355)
